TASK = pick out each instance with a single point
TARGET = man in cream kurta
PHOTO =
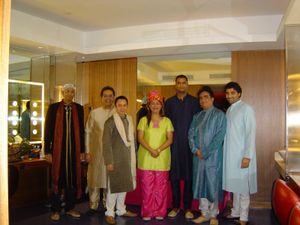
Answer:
(96, 175)
(239, 166)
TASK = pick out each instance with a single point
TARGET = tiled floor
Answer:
(39, 215)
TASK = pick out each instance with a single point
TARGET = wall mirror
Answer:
(25, 111)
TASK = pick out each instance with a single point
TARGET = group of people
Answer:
(182, 139)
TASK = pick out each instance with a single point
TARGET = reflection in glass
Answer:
(22, 96)
(293, 98)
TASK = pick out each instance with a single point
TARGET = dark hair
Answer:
(206, 89)
(28, 105)
(121, 97)
(181, 76)
(233, 85)
(107, 88)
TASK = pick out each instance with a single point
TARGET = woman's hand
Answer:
(154, 153)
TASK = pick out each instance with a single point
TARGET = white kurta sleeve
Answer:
(88, 129)
(250, 133)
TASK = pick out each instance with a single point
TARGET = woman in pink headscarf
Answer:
(155, 135)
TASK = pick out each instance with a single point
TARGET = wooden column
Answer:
(4, 57)
(121, 74)
(261, 75)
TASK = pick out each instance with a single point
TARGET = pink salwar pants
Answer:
(154, 185)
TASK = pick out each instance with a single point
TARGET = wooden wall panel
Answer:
(5, 10)
(262, 77)
(121, 74)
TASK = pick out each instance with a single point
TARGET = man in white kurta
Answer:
(96, 175)
(239, 166)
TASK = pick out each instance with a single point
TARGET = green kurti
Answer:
(155, 137)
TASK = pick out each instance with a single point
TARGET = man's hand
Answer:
(82, 156)
(245, 163)
(48, 158)
(199, 154)
(88, 157)
(110, 167)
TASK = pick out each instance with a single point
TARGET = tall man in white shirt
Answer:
(239, 165)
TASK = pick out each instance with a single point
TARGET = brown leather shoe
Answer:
(130, 214)
(110, 220)
(200, 219)
(73, 213)
(188, 215)
(173, 213)
(55, 216)
(213, 221)
(243, 222)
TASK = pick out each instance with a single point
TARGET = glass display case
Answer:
(292, 154)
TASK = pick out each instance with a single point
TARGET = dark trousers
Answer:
(69, 197)
(187, 193)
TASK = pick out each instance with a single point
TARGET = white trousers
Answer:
(209, 209)
(115, 200)
(241, 204)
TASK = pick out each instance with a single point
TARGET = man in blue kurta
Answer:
(239, 165)
(206, 137)
(181, 109)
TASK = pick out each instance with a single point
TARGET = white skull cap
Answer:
(69, 86)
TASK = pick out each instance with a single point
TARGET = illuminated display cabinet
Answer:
(25, 122)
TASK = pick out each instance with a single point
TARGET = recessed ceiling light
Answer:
(82, 57)
(40, 47)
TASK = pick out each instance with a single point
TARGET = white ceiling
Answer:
(101, 29)
(169, 36)
(91, 15)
